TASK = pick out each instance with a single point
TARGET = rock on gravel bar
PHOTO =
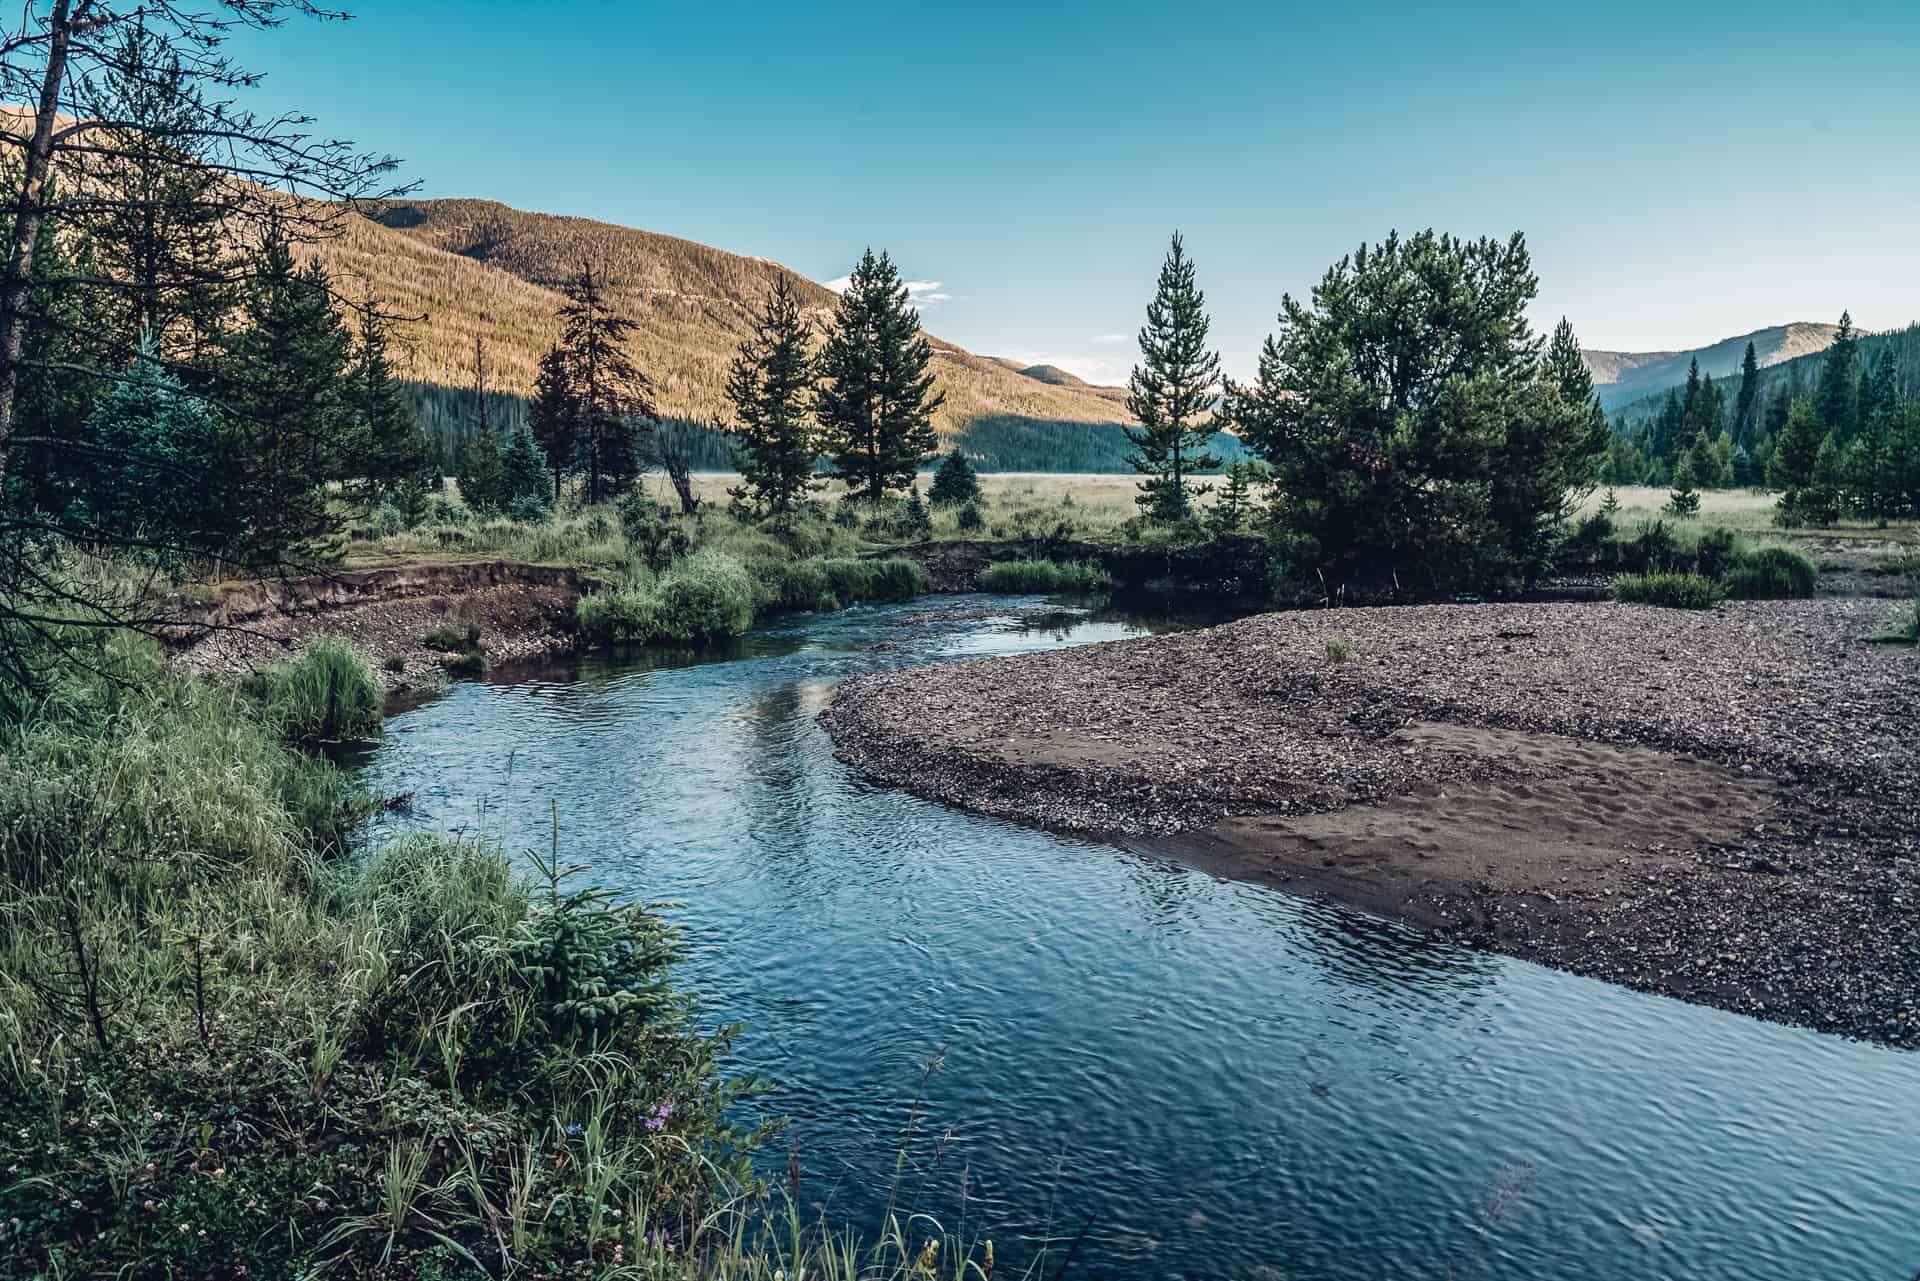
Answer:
(1722, 805)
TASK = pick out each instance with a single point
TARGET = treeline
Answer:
(1856, 401)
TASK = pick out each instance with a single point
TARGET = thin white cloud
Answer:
(1109, 340)
(919, 292)
(1102, 371)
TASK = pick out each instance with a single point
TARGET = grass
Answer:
(1772, 573)
(1670, 589)
(1745, 511)
(1045, 577)
(326, 695)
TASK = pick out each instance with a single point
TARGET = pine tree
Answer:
(553, 415)
(392, 448)
(280, 377)
(523, 478)
(608, 401)
(483, 484)
(158, 448)
(954, 481)
(1566, 370)
(1234, 508)
(1746, 406)
(771, 386)
(876, 394)
(1791, 466)
(1169, 391)
(1838, 395)
(1683, 501)
(1820, 501)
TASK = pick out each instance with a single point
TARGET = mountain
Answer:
(1058, 377)
(472, 268)
(1799, 374)
(1622, 376)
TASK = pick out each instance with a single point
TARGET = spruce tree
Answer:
(1791, 466)
(553, 415)
(392, 449)
(158, 450)
(954, 481)
(608, 401)
(1170, 390)
(483, 473)
(1746, 406)
(1683, 501)
(523, 478)
(1838, 395)
(876, 394)
(771, 386)
(280, 377)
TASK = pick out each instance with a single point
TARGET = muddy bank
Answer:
(521, 611)
(1722, 806)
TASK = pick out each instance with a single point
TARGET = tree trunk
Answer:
(29, 211)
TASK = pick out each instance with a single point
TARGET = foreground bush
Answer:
(1676, 591)
(326, 695)
(1045, 577)
(1772, 573)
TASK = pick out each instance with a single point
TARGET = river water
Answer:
(1191, 1077)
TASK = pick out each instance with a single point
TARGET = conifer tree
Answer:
(483, 473)
(553, 415)
(392, 449)
(954, 481)
(1746, 406)
(876, 394)
(157, 445)
(280, 379)
(602, 399)
(1837, 397)
(523, 478)
(1791, 466)
(1683, 501)
(1170, 390)
(771, 386)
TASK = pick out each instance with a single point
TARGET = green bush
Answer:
(970, 518)
(708, 596)
(1674, 590)
(1045, 577)
(1772, 573)
(1715, 552)
(453, 638)
(652, 533)
(628, 615)
(327, 695)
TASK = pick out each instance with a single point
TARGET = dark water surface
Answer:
(1222, 1081)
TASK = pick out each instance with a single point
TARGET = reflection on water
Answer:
(1212, 1079)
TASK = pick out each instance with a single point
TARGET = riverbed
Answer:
(1192, 1077)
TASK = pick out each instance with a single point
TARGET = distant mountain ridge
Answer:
(1623, 376)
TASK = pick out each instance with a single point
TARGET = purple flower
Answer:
(657, 1115)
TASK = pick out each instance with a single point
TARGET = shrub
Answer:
(1045, 577)
(1339, 649)
(530, 509)
(1716, 551)
(970, 518)
(1652, 549)
(706, 597)
(444, 511)
(1772, 573)
(623, 616)
(327, 695)
(452, 638)
(1674, 590)
(470, 663)
(652, 534)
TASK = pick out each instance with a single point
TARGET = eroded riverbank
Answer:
(1718, 806)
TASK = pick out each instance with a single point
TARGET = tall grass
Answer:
(1673, 590)
(326, 695)
(1045, 577)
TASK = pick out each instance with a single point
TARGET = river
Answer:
(1192, 1077)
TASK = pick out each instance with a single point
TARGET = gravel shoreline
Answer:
(1721, 806)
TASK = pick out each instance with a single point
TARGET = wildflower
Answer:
(147, 1204)
(220, 1172)
(616, 1214)
(575, 1130)
(657, 1115)
(185, 1228)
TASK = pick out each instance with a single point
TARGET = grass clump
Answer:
(1339, 650)
(1772, 573)
(452, 638)
(1667, 588)
(1045, 577)
(326, 695)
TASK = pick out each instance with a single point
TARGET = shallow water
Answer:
(1209, 1079)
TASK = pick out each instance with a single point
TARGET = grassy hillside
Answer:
(1623, 376)
(474, 267)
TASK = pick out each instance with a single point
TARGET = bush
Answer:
(453, 638)
(444, 511)
(327, 695)
(470, 663)
(970, 518)
(1714, 555)
(1045, 577)
(530, 509)
(1772, 573)
(954, 482)
(707, 597)
(652, 534)
(1674, 590)
(627, 615)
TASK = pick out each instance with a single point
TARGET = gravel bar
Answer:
(1722, 806)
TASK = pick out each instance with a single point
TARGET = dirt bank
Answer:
(522, 611)
(1721, 806)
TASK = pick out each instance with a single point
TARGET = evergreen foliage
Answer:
(875, 399)
(483, 474)
(771, 385)
(280, 378)
(1171, 389)
(391, 450)
(1414, 432)
(523, 477)
(954, 481)
(154, 447)
(594, 405)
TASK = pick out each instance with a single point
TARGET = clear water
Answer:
(1207, 1079)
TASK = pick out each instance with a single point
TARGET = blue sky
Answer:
(1683, 171)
